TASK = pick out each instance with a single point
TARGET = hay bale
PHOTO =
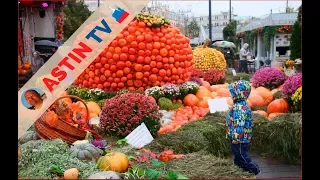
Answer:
(278, 138)
(199, 165)
(207, 134)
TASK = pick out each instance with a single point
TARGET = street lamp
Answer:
(230, 14)
(210, 23)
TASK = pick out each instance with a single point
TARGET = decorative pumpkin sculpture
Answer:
(278, 106)
(114, 161)
(85, 151)
(205, 58)
(28, 136)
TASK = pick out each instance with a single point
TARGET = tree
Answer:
(229, 32)
(295, 40)
(193, 29)
(76, 14)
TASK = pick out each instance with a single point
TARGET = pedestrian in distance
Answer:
(37, 62)
(239, 126)
(243, 58)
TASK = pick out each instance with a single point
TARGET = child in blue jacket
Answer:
(239, 126)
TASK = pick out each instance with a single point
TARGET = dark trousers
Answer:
(242, 158)
(243, 66)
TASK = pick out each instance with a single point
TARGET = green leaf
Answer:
(121, 141)
(156, 162)
(172, 175)
(130, 157)
(152, 174)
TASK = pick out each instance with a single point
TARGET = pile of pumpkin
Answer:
(148, 52)
(24, 68)
(259, 97)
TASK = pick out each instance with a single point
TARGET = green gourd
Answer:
(28, 136)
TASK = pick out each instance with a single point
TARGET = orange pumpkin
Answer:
(249, 103)
(202, 87)
(152, 99)
(206, 84)
(225, 85)
(72, 173)
(93, 107)
(23, 72)
(262, 113)
(266, 94)
(114, 161)
(191, 100)
(256, 100)
(214, 94)
(203, 93)
(203, 102)
(215, 87)
(51, 118)
(273, 115)
(278, 106)
(223, 92)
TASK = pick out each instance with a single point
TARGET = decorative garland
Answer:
(268, 33)
(59, 23)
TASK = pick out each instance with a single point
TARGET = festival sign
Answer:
(81, 49)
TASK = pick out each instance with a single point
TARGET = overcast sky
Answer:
(241, 8)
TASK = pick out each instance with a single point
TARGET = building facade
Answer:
(218, 19)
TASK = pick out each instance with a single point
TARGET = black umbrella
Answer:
(45, 43)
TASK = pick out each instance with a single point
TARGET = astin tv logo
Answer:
(119, 14)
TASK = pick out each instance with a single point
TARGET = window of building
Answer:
(225, 17)
(216, 17)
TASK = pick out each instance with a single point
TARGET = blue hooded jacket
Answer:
(239, 119)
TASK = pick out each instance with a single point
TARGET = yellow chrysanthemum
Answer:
(297, 96)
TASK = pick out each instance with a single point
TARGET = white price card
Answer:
(139, 137)
(218, 105)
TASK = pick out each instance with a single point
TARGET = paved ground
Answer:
(273, 168)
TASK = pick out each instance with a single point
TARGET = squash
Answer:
(201, 93)
(203, 102)
(260, 112)
(266, 94)
(214, 94)
(256, 100)
(190, 100)
(278, 106)
(72, 173)
(28, 136)
(105, 175)
(114, 161)
(93, 107)
(223, 92)
(85, 151)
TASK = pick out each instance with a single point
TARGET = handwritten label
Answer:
(218, 105)
(139, 137)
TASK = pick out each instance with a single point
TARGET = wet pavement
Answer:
(273, 168)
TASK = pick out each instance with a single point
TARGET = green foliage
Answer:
(250, 37)
(268, 33)
(229, 32)
(240, 76)
(193, 29)
(76, 14)
(295, 41)
(164, 103)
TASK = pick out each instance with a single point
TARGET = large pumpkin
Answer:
(256, 100)
(205, 58)
(93, 107)
(148, 52)
(114, 161)
(265, 93)
(273, 115)
(278, 106)
(191, 100)
(223, 92)
(203, 102)
(203, 93)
